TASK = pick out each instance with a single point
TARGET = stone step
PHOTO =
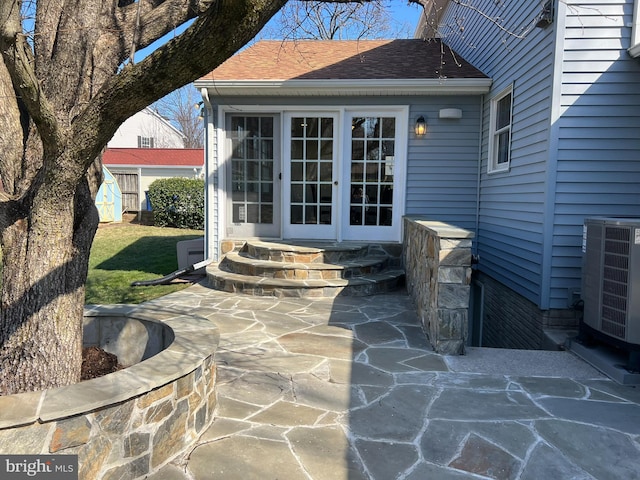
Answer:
(305, 251)
(241, 263)
(370, 284)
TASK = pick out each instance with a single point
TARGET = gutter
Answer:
(351, 87)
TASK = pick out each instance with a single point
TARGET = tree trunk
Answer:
(45, 262)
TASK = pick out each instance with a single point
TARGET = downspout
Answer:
(551, 179)
(474, 249)
(140, 193)
(210, 253)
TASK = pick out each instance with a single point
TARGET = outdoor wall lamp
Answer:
(421, 126)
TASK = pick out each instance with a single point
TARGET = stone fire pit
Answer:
(132, 422)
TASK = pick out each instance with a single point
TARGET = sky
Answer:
(405, 13)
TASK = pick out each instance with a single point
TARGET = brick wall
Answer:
(512, 321)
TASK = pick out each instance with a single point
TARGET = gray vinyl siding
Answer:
(442, 173)
(511, 220)
(598, 155)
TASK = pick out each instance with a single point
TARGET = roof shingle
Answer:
(345, 60)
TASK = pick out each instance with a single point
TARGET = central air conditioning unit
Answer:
(611, 281)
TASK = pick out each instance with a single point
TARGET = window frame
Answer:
(145, 142)
(494, 133)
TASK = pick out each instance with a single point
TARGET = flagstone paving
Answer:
(347, 388)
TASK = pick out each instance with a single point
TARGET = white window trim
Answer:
(492, 166)
(634, 47)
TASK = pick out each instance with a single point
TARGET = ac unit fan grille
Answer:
(615, 280)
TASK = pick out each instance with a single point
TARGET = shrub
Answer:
(178, 202)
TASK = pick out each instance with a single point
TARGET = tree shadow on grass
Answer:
(154, 254)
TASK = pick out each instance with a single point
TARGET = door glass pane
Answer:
(266, 127)
(310, 216)
(312, 176)
(388, 127)
(267, 170)
(296, 214)
(325, 193)
(267, 149)
(253, 171)
(252, 124)
(253, 213)
(252, 165)
(266, 194)
(297, 127)
(312, 150)
(297, 150)
(312, 126)
(296, 171)
(312, 171)
(327, 127)
(357, 127)
(325, 215)
(372, 155)
(326, 171)
(266, 213)
(357, 172)
(357, 150)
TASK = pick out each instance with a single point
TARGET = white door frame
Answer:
(343, 147)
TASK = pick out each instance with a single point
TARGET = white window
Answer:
(145, 142)
(500, 131)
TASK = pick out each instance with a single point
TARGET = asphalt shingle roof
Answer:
(345, 60)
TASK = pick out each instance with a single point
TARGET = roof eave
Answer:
(146, 165)
(358, 87)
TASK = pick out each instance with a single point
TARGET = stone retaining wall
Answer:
(129, 423)
(437, 261)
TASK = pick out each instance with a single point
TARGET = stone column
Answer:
(437, 261)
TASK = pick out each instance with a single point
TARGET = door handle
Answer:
(336, 182)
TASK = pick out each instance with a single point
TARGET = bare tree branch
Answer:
(328, 21)
(181, 107)
(18, 59)
(142, 23)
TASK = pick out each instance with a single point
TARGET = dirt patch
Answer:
(96, 363)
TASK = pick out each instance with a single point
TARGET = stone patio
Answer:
(347, 388)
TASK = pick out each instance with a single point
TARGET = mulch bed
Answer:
(96, 363)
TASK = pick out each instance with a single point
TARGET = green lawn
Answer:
(124, 253)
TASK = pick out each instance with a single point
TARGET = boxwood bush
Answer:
(177, 202)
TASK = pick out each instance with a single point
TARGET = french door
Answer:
(317, 175)
(253, 206)
(310, 176)
(373, 173)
